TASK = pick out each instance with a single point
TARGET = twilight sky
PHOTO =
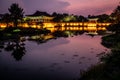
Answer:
(79, 7)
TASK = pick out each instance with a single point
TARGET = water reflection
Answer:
(66, 33)
(54, 57)
(1, 45)
(18, 52)
(42, 38)
(15, 47)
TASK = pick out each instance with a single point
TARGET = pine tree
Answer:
(16, 13)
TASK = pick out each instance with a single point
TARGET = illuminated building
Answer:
(42, 20)
(39, 16)
(93, 20)
(36, 19)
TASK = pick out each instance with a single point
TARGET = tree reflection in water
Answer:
(17, 48)
(1, 45)
(16, 44)
(18, 51)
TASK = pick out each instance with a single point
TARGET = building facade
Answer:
(38, 18)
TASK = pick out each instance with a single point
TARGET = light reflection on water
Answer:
(57, 59)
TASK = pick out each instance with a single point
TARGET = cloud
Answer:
(30, 6)
(106, 9)
(86, 7)
(45, 5)
(79, 7)
(5, 4)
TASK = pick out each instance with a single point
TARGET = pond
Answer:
(56, 59)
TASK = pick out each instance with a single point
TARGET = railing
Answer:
(65, 25)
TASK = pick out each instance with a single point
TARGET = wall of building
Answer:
(64, 26)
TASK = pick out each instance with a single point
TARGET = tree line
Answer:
(16, 14)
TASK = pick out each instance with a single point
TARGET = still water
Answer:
(57, 59)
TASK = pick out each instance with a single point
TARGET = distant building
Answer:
(32, 18)
(39, 17)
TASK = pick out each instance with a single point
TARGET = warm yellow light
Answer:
(25, 25)
(85, 24)
(85, 28)
(92, 28)
(63, 25)
(80, 28)
(81, 24)
(3, 26)
(99, 24)
(77, 24)
(71, 24)
(76, 28)
(71, 28)
(67, 23)
(63, 28)
(48, 25)
(103, 28)
(108, 24)
(67, 28)
(34, 26)
(103, 24)
(92, 24)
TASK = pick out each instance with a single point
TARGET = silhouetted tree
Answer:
(115, 27)
(82, 18)
(18, 52)
(104, 18)
(1, 17)
(116, 14)
(16, 13)
(54, 14)
(6, 18)
(65, 14)
(92, 16)
(17, 48)
(101, 18)
(58, 17)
